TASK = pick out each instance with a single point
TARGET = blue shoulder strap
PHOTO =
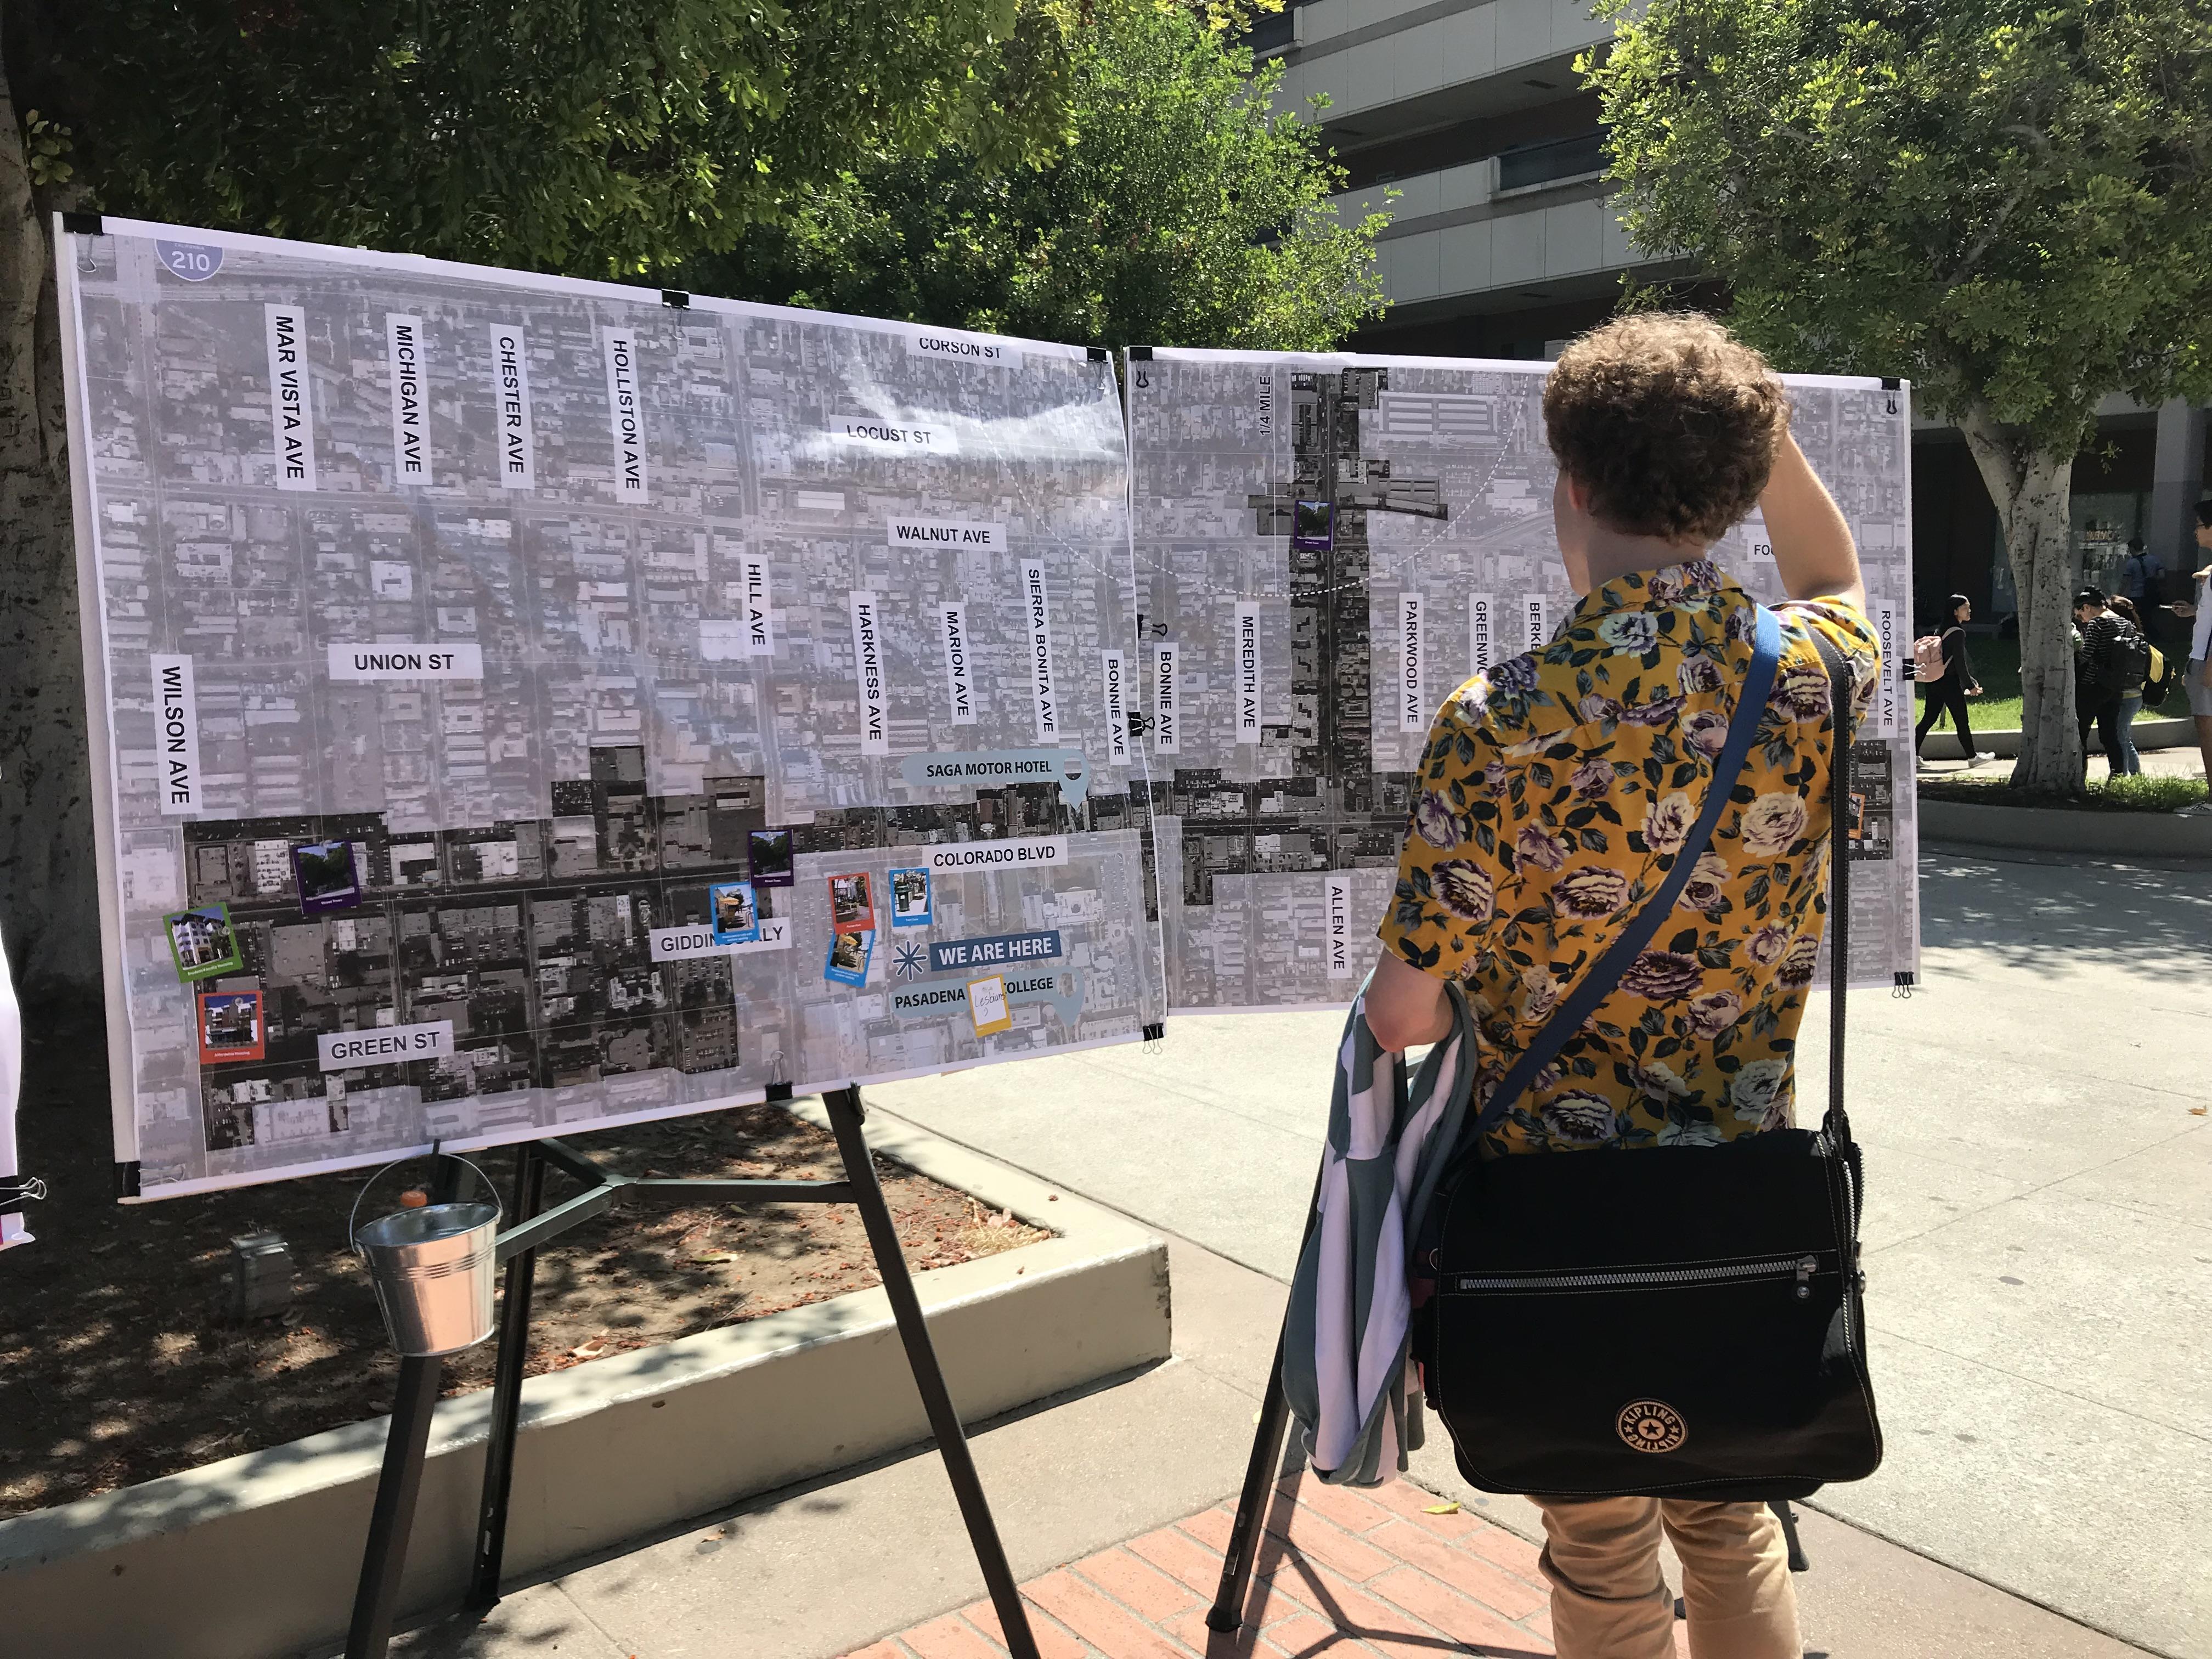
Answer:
(1597, 984)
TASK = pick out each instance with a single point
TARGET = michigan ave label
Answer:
(410, 411)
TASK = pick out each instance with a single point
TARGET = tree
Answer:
(588, 137)
(2009, 203)
(1182, 211)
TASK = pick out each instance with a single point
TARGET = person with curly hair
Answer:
(1555, 792)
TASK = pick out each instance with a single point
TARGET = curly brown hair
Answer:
(1668, 422)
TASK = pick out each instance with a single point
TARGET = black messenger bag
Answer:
(1678, 1321)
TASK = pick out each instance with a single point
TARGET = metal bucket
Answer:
(432, 1270)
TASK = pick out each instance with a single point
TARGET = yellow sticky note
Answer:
(1440, 1508)
(986, 1005)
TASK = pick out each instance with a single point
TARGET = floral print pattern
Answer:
(1554, 795)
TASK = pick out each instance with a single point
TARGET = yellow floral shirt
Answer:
(1551, 798)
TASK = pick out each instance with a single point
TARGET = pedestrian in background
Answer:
(2099, 674)
(2131, 695)
(2200, 657)
(2139, 582)
(1958, 682)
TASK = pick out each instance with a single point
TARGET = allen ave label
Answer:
(950, 345)
(759, 623)
(176, 735)
(892, 437)
(384, 1045)
(1412, 704)
(868, 674)
(510, 397)
(291, 406)
(1536, 622)
(1247, 671)
(1114, 674)
(406, 662)
(626, 418)
(677, 943)
(959, 533)
(1036, 612)
(1481, 632)
(1029, 852)
(1167, 704)
(959, 687)
(1336, 924)
(411, 408)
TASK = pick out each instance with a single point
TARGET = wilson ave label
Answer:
(176, 734)
(411, 408)
(291, 404)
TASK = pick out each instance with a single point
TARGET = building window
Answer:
(1271, 32)
(1558, 158)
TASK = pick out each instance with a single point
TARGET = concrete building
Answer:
(1502, 244)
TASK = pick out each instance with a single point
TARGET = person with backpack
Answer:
(1945, 675)
(2113, 657)
(2199, 676)
(1545, 821)
(2151, 688)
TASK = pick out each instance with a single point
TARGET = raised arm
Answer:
(1811, 544)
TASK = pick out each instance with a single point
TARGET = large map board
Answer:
(496, 683)
(1326, 547)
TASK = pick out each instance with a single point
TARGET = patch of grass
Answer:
(2149, 792)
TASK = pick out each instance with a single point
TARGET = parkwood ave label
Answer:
(1036, 612)
(410, 411)
(1247, 671)
(291, 403)
(946, 532)
(1481, 631)
(959, 688)
(1117, 714)
(176, 735)
(406, 662)
(1029, 852)
(1167, 706)
(1336, 922)
(868, 674)
(949, 347)
(510, 392)
(625, 417)
(1412, 704)
(384, 1045)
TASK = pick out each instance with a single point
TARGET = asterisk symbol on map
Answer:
(909, 961)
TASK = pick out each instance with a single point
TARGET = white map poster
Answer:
(1386, 521)
(523, 705)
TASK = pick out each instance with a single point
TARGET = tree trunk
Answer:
(2032, 487)
(49, 915)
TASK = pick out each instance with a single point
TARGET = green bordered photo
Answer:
(204, 942)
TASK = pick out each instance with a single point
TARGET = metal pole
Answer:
(1788, 1518)
(376, 1598)
(846, 1113)
(506, 1387)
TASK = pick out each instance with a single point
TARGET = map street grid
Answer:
(1326, 547)
(562, 606)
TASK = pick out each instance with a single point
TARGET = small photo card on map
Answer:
(769, 853)
(852, 909)
(910, 905)
(230, 1026)
(849, 957)
(327, 877)
(986, 1005)
(1313, 525)
(736, 912)
(204, 942)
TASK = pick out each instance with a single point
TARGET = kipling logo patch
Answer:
(1651, 1425)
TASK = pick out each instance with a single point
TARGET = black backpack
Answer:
(2128, 665)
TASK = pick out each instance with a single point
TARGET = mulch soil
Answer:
(121, 1359)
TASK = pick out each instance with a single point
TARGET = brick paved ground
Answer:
(1340, 1573)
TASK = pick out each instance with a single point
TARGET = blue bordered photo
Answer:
(849, 954)
(910, 900)
(735, 913)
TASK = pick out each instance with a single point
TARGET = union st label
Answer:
(868, 674)
(411, 408)
(291, 401)
(176, 734)
(625, 414)
(510, 392)
(406, 662)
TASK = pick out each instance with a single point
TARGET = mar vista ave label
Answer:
(291, 404)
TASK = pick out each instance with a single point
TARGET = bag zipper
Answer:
(1802, 1267)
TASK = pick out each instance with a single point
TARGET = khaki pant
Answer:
(1610, 1602)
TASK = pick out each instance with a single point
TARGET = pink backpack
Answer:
(1928, 658)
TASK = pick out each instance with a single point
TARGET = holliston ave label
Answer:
(868, 674)
(384, 1045)
(291, 404)
(176, 735)
(510, 392)
(1036, 612)
(1247, 650)
(1413, 703)
(624, 414)
(406, 662)
(411, 408)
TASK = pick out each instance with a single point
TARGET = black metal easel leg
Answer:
(1787, 1516)
(1228, 1610)
(376, 1601)
(506, 1387)
(846, 1113)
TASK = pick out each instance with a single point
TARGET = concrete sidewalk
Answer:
(839, 1565)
